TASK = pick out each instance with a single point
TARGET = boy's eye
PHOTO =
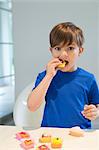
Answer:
(57, 48)
(70, 48)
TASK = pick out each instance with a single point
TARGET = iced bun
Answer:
(62, 65)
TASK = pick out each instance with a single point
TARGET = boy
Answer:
(71, 93)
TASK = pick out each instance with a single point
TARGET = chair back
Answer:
(23, 117)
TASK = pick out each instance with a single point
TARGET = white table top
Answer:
(89, 142)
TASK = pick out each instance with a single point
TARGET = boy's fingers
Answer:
(86, 107)
(56, 64)
(89, 113)
(53, 61)
(89, 110)
(91, 118)
(93, 114)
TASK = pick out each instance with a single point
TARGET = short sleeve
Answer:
(94, 92)
(39, 79)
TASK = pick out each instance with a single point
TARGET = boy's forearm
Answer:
(37, 96)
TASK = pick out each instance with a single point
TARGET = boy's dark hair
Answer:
(66, 33)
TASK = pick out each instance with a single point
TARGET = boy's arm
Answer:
(38, 94)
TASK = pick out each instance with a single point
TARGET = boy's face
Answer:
(67, 53)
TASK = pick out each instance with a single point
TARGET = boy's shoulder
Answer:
(42, 74)
(86, 73)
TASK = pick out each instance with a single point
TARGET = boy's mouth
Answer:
(64, 63)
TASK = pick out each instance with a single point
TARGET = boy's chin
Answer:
(69, 69)
(65, 69)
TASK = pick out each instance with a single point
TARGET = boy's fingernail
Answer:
(85, 106)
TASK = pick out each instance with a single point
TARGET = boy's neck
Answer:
(74, 68)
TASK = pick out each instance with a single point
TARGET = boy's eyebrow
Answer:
(71, 45)
(60, 45)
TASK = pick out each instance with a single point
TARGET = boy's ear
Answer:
(50, 49)
(81, 49)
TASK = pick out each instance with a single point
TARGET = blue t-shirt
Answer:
(66, 97)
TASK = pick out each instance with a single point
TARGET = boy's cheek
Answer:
(55, 54)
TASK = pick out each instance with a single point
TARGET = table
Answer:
(89, 142)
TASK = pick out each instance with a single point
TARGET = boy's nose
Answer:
(64, 53)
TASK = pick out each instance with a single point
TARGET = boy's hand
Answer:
(51, 67)
(90, 112)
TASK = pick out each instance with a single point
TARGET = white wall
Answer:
(32, 22)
